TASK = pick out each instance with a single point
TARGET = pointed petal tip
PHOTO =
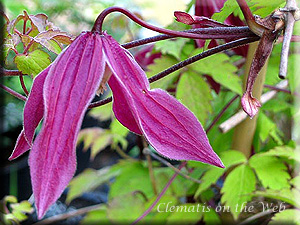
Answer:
(250, 105)
(21, 147)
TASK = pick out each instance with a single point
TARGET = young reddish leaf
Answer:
(52, 40)
(38, 21)
(26, 39)
(12, 24)
(70, 85)
(202, 21)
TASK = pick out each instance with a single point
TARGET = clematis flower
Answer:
(61, 94)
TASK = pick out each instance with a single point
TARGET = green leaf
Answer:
(263, 8)
(293, 70)
(289, 216)
(211, 218)
(10, 43)
(23, 206)
(286, 195)
(229, 158)
(276, 105)
(295, 181)
(126, 208)
(119, 133)
(100, 144)
(19, 210)
(102, 113)
(259, 7)
(266, 165)
(194, 93)
(118, 129)
(171, 47)
(98, 216)
(267, 128)
(284, 152)
(230, 6)
(32, 63)
(10, 199)
(159, 214)
(185, 214)
(159, 65)
(237, 186)
(136, 178)
(19, 216)
(88, 180)
(221, 69)
(95, 138)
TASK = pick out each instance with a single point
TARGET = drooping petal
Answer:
(69, 87)
(34, 106)
(21, 146)
(121, 106)
(33, 113)
(168, 125)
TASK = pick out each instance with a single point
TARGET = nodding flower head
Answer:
(61, 94)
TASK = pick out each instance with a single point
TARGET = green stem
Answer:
(244, 132)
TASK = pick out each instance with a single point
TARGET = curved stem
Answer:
(220, 48)
(165, 162)
(12, 92)
(212, 51)
(219, 31)
(221, 113)
(250, 20)
(23, 85)
(161, 194)
(232, 32)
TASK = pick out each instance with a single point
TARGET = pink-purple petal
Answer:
(69, 87)
(121, 107)
(21, 146)
(33, 113)
(34, 106)
(168, 125)
(172, 129)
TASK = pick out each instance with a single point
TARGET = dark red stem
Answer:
(8, 73)
(246, 10)
(23, 85)
(221, 113)
(161, 194)
(12, 92)
(211, 33)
